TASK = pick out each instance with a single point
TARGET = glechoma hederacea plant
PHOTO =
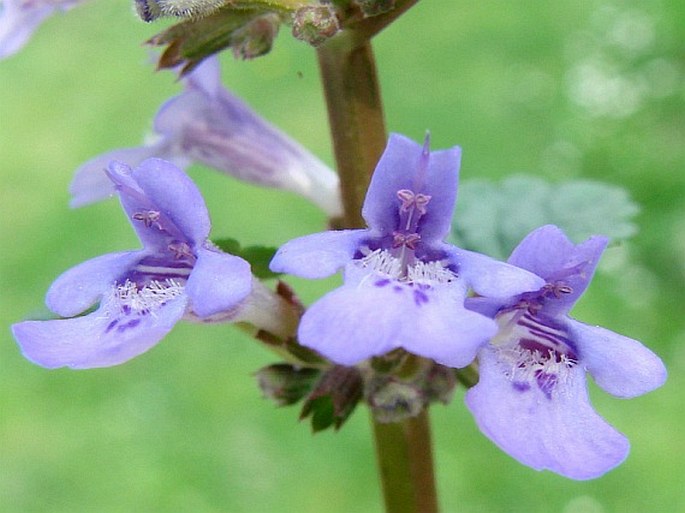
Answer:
(415, 315)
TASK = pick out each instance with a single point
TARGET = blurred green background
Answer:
(587, 89)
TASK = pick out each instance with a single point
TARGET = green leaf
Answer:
(492, 218)
(258, 256)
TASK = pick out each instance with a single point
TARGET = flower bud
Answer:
(438, 384)
(392, 400)
(314, 24)
(189, 8)
(334, 398)
(285, 384)
(148, 10)
(256, 37)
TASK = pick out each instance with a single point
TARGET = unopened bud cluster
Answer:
(256, 37)
(393, 398)
(314, 24)
(150, 10)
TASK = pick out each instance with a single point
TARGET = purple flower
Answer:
(141, 294)
(209, 125)
(20, 18)
(403, 286)
(531, 399)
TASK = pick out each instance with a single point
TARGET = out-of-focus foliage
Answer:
(493, 218)
(562, 90)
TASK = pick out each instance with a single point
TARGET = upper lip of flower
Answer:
(143, 293)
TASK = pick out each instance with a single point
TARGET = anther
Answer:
(148, 217)
(408, 200)
(409, 240)
(180, 250)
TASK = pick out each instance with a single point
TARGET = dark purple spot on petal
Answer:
(111, 325)
(420, 298)
(397, 288)
(382, 283)
(130, 324)
(521, 386)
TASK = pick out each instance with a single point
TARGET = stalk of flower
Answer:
(20, 18)
(531, 399)
(208, 125)
(403, 286)
(140, 295)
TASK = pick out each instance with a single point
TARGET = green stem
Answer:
(405, 460)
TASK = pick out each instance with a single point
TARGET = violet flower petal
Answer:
(620, 365)
(317, 255)
(446, 332)
(371, 315)
(548, 253)
(163, 204)
(492, 278)
(347, 325)
(79, 288)
(19, 19)
(175, 194)
(92, 340)
(218, 282)
(208, 124)
(91, 183)
(431, 173)
(562, 433)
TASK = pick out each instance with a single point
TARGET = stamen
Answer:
(408, 200)
(556, 290)
(149, 218)
(408, 240)
(180, 250)
(412, 208)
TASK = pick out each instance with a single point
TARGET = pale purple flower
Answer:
(403, 286)
(208, 125)
(532, 399)
(20, 18)
(139, 295)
